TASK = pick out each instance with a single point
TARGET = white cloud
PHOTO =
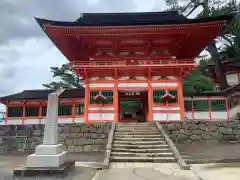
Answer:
(26, 54)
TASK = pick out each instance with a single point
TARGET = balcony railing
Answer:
(117, 63)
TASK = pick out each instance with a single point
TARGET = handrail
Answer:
(174, 149)
(131, 62)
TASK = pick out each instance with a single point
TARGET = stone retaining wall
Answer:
(74, 137)
(191, 132)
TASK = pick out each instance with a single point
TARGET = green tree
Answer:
(67, 78)
(231, 34)
(197, 81)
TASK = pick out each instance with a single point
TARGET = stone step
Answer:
(137, 130)
(137, 150)
(137, 133)
(142, 159)
(147, 136)
(131, 154)
(137, 125)
(138, 139)
(134, 146)
(139, 142)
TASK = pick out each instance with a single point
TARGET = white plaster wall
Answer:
(79, 120)
(101, 116)
(219, 115)
(188, 115)
(101, 85)
(232, 78)
(65, 120)
(14, 121)
(166, 108)
(201, 115)
(166, 116)
(165, 84)
(100, 108)
(32, 121)
(132, 84)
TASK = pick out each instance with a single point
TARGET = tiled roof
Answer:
(43, 94)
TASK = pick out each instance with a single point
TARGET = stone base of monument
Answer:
(60, 171)
(47, 160)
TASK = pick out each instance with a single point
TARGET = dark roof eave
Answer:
(227, 17)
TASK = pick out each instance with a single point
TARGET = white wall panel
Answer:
(132, 84)
(201, 115)
(101, 116)
(166, 116)
(165, 84)
(166, 108)
(100, 108)
(219, 115)
(101, 85)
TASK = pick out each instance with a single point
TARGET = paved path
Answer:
(219, 171)
(147, 171)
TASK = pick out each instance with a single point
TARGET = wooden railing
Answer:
(114, 63)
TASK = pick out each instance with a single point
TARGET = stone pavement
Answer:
(146, 171)
(219, 171)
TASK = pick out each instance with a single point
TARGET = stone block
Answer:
(75, 129)
(46, 160)
(37, 132)
(78, 149)
(62, 137)
(94, 136)
(73, 135)
(3, 149)
(193, 126)
(65, 129)
(87, 148)
(224, 130)
(196, 137)
(96, 148)
(69, 142)
(71, 149)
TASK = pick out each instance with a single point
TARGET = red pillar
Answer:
(86, 101)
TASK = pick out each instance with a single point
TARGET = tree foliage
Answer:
(230, 37)
(67, 78)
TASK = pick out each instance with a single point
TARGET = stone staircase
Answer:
(140, 142)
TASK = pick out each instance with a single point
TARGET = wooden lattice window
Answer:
(188, 105)
(44, 110)
(15, 111)
(79, 109)
(156, 96)
(64, 110)
(107, 94)
(174, 93)
(218, 104)
(32, 111)
(200, 105)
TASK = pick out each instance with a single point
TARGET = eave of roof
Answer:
(134, 19)
(80, 92)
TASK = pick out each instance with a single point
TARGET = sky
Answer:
(26, 54)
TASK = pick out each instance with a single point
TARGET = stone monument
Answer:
(50, 153)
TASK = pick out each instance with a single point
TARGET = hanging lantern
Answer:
(100, 97)
(167, 96)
